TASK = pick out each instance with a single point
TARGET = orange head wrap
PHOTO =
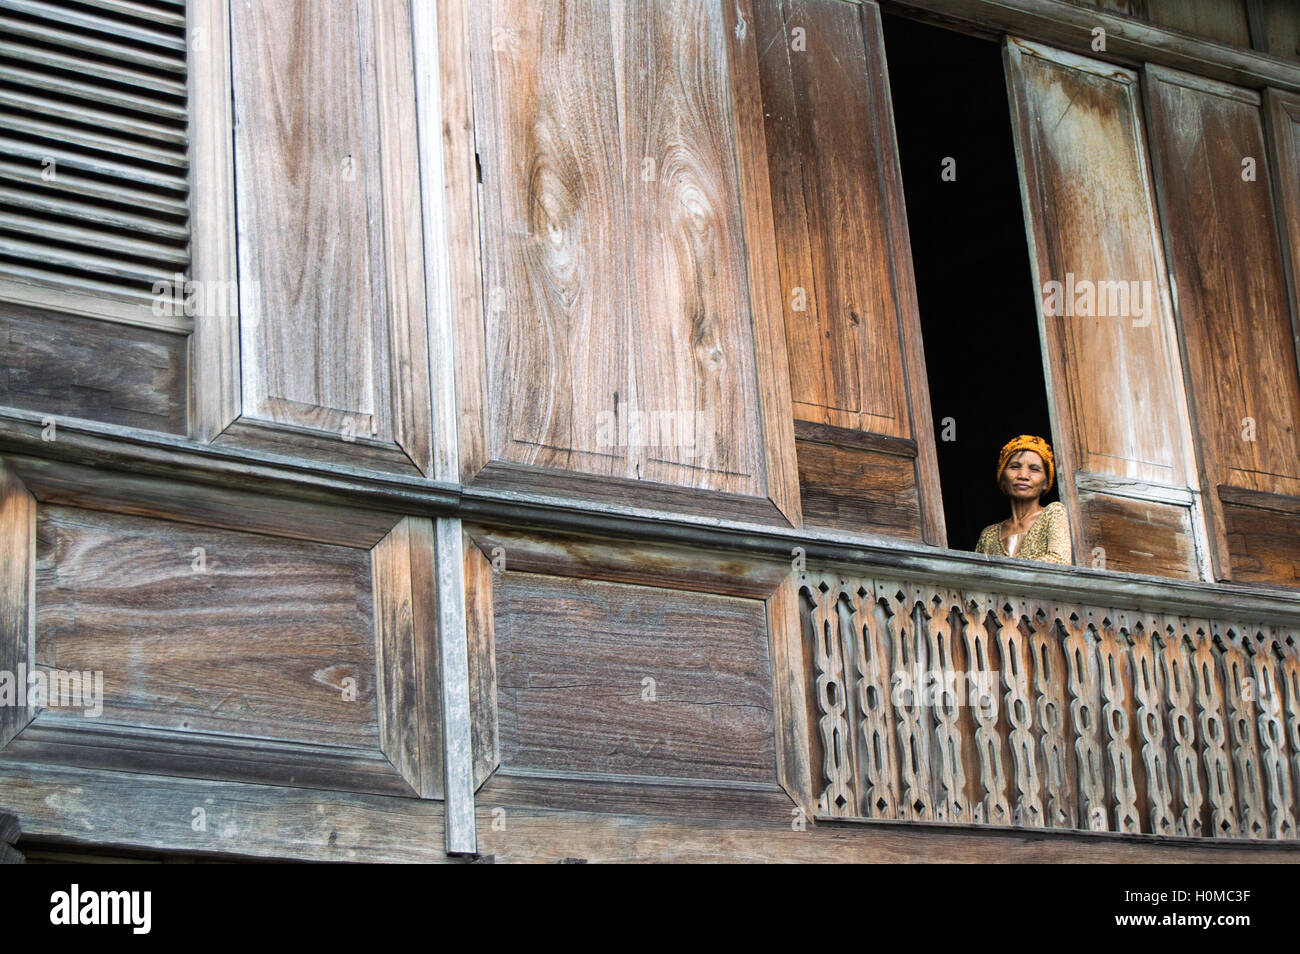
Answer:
(1032, 443)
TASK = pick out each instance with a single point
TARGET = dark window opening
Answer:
(974, 285)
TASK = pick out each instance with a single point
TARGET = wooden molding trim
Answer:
(1258, 500)
(816, 433)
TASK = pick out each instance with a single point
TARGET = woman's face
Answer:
(1025, 476)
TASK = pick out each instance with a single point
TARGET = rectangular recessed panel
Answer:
(632, 680)
(1213, 179)
(1264, 544)
(68, 366)
(1137, 536)
(205, 630)
(1102, 289)
(865, 491)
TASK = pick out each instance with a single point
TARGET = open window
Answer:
(971, 260)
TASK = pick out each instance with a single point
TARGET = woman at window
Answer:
(1026, 471)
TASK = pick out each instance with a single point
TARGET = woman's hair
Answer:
(1032, 443)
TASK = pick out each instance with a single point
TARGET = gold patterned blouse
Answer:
(1047, 539)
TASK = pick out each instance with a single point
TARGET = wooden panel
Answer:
(17, 579)
(689, 285)
(1284, 160)
(1137, 536)
(555, 239)
(1230, 287)
(1099, 269)
(847, 291)
(858, 490)
(624, 292)
(479, 624)
(1275, 27)
(258, 643)
(331, 273)
(1264, 544)
(828, 194)
(1223, 21)
(69, 366)
(408, 677)
(90, 807)
(573, 660)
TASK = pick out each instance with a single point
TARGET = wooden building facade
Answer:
(501, 428)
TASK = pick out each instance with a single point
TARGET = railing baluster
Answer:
(993, 807)
(1085, 713)
(877, 761)
(1177, 726)
(1179, 680)
(950, 788)
(1239, 693)
(1147, 638)
(1288, 644)
(837, 798)
(1060, 809)
(1020, 714)
(1272, 735)
(913, 740)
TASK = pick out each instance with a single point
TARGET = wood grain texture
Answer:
(628, 306)
(859, 490)
(573, 657)
(848, 293)
(685, 568)
(1137, 536)
(89, 807)
(330, 252)
(555, 231)
(258, 643)
(1264, 545)
(789, 693)
(203, 504)
(1232, 305)
(1222, 21)
(693, 345)
(17, 594)
(1282, 112)
(1091, 209)
(828, 188)
(71, 366)
(540, 836)
(408, 682)
(1275, 27)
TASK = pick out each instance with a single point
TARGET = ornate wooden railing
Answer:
(940, 705)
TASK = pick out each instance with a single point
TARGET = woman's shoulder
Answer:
(1055, 509)
(986, 538)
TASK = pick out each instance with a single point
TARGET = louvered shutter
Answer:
(93, 157)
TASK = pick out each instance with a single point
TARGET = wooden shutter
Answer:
(329, 356)
(1110, 349)
(629, 329)
(1213, 180)
(93, 162)
(857, 372)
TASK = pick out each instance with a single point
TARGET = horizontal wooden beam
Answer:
(138, 452)
(1128, 41)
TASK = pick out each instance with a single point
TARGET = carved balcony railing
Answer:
(940, 705)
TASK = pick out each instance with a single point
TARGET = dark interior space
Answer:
(973, 278)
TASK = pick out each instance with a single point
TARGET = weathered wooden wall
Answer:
(468, 243)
